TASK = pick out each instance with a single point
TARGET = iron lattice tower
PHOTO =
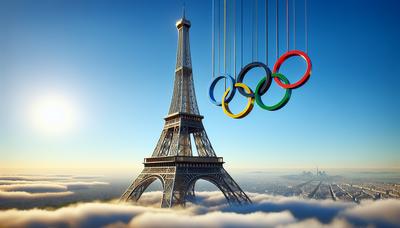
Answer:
(172, 161)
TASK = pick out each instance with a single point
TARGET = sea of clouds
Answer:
(28, 191)
(210, 209)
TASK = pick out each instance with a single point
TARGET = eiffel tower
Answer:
(172, 161)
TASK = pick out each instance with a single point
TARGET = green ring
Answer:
(281, 103)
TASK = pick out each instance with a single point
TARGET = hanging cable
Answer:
(256, 28)
(287, 25)
(252, 34)
(277, 29)
(219, 37)
(234, 38)
(266, 32)
(294, 24)
(306, 25)
(212, 39)
(241, 34)
(225, 41)
(228, 35)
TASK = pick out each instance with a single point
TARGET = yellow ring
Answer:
(249, 106)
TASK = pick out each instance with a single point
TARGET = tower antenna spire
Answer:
(184, 10)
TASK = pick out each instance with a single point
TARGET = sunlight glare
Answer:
(53, 114)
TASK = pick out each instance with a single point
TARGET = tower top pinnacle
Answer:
(183, 21)
(183, 59)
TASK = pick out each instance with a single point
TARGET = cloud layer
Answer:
(209, 210)
(28, 191)
(266, 211)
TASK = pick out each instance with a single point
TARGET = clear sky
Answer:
(110, 65)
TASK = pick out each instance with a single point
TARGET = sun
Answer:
(53, 114)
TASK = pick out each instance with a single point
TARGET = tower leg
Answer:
(147, 176)
(190, 196)
(175, 190)
(233, 193)
(167, 197)
(179, 184)
(138, 186)
(182, 188)
(203, 144)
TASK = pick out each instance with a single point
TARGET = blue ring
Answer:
(214, 82)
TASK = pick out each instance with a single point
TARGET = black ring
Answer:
(246, 69)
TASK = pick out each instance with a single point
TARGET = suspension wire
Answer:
(225, 41)
(228, 39)
(306, 25)
(252, 36)
(234, 38)
(266, 32)
(277, 29)
(294, 24)
(219, 37)
(241, 34)
(256, 28)
(287, 25)
(212, 39)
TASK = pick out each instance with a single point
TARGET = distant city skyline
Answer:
(108, 68)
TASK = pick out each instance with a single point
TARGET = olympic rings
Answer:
(262, 86)
(281, 103)
(286, 56)
(246, 69)
(246, 110)
(231, 82)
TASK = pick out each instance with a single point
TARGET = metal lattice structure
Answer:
(172, 161)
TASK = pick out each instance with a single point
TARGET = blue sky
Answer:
(114, 60)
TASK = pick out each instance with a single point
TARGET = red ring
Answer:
(287, 55)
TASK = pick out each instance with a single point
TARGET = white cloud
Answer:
(314, 223)
(212, 219)
(7, 185)
(81, 184)
(34, 187)
(381, 211)
(36, 177)
(114, 215)
(210, 210)
(5, 196)
(80, 215)
(266, 211)
(15, 189)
